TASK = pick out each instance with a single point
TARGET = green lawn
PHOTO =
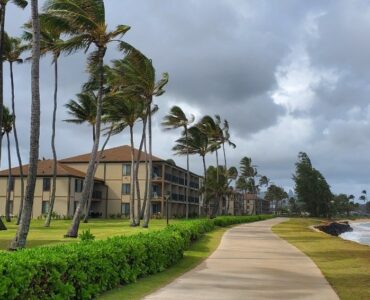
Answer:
(39, 235)
(345, 264)
(197, 252)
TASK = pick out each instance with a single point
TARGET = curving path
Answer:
(251, 263)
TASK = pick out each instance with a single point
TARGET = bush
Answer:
(86, 236)
(83, 270)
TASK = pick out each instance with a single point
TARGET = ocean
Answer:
(360, 233)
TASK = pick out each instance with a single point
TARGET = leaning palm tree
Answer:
(177, 119)
(140, 81)
(50, 39)
(87, 26)
(13, 48)
(83, 110)
(3, 4)
(224, 136)
(24, 225)
(197, 142)
(6, 130)
(124, 112)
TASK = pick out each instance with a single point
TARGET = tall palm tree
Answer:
(86, 27)
(140, 81)
(124, 112)
(177, 119)
(13, 48)
(5, 130)
(3, 4)
(197, 142)
(24, 225)
(50, 39)
(224, 136)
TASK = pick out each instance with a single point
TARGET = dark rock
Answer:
(335, 228)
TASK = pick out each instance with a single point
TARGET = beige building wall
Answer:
(61, 200)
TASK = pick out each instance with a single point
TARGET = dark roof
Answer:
(117, 154)
(45, 168)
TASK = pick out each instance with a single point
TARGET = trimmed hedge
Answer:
(83, 270)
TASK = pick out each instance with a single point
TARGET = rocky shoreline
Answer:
(335, 228)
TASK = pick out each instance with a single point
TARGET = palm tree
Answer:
(140, 81)
(3, 4)
(22, 232)
(197, 142)
(50, 39)
(86, 26)
(177, 119)
(5, 130)
(83, 110)
(124, 112)
(224, 136)
(13, 48)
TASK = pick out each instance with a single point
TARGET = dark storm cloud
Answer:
(224, 58)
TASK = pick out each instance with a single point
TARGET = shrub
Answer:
(83, 270)
(86, 236)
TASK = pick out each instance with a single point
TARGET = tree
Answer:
(311, 187)
(86, 26)
(50, 39)
(140, 81)
(197, 142)
(176, 118)
(224, 136)
(363, 196)
(275, 194)
(5, 130)
(124, 112)
(13, 48)
(3, 4)
(24, 225)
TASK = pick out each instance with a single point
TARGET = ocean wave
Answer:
(360, 233)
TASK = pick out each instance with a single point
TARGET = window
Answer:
(125, 209)
(46, 184)
(156, 208)
(78, 185)
(126, 189)
(45, 207)
(126, 170)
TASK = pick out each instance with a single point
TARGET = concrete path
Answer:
(251, 263)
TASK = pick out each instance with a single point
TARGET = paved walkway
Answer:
(251, 263)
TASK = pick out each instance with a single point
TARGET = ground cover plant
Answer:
(345, 264)
(83, 270)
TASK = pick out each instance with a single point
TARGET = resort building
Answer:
(111, 193)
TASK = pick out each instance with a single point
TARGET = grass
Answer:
(197, 252)
(101, 228)
(345, 264)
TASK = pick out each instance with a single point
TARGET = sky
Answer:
(289, 76)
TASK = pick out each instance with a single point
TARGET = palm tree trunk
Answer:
(204, 185)
(9, 188)
(146, 179)
(218, 180)
(93, 130)
(150, 169)
(55, 159)
(223, 148)
(187, 173)
(132, 180)
(24, 226)
(2, 34)
(138, 216)
(89, 179)
(17, 145)
(86, 218)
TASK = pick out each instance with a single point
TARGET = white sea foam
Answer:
(360, 233)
